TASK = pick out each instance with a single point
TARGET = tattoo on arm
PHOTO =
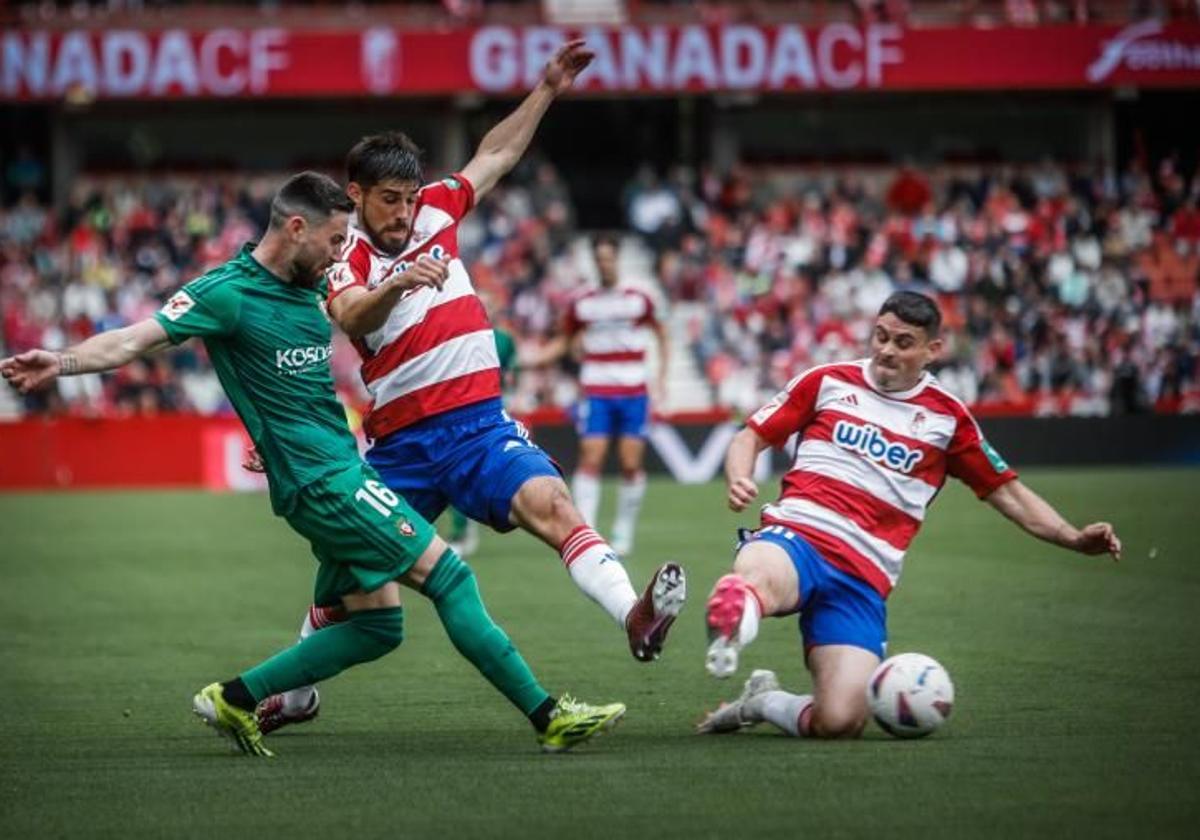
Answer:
(68, 364)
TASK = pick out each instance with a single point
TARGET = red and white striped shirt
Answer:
(869, 463)
(613, 323)
(436, 351)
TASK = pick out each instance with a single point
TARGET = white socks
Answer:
(782, 709)
(596, 570)
(629, 502)
(585, 489)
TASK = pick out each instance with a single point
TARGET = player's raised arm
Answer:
(1038, 517)
(503, 146)
(108, 350)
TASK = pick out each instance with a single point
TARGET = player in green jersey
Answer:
(269, 341)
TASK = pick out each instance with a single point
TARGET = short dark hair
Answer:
(391, 155)
(312, 195)
(606, 238)
(916, 309)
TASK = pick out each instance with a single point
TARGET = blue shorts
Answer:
(475, 458)
(613, 416)
(836, 608)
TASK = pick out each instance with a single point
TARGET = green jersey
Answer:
(270, 344)
(506, 350)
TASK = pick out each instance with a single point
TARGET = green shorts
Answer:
(363, 534)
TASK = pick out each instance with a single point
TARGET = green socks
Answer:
(365, 635)
(452, 588)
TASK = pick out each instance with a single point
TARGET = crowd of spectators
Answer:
(1062, 289)
(123, 244)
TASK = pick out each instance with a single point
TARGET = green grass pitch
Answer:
(1078, 682)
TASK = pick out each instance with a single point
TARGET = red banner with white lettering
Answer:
(83, 65)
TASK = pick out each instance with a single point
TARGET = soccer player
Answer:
(611, 324)
(441, 435)
(877, 439)
(260, 320)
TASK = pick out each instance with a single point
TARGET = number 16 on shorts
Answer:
(377, 496)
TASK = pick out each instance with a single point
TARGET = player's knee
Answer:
(447, 577)
(836, 722)
(382, 630)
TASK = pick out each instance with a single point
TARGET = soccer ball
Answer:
(910, 695)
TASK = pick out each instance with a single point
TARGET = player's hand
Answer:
(570, 60)
(426, 271)
(1098, 538)
(253, 461)
(30, 371)
(742, 492)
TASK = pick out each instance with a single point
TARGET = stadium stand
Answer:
(1064, 292)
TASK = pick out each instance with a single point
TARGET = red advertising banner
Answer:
(651, 60)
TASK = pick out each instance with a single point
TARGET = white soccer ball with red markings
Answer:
(910, 695)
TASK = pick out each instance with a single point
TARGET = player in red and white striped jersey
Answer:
(876, 440)
(612, 325)
(440, 434)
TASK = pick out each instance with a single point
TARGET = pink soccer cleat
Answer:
(724, 617)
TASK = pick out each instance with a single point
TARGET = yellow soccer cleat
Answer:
(573, 723)
(238, 725)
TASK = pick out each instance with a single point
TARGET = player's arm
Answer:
(503, 146)
(1039, 518)
(358, 310)
(106, 351)
(785, 414)
(739, 467)
(549, 353)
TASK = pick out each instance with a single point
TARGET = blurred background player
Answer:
(877, 439)
(610, 325)
(440, 433)
(261, 323)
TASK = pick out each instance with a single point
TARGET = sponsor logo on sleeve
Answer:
(764, 414)
(997, 462)
(179, 305)
(339, 277)
(452, 182)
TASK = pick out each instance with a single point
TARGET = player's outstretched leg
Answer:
(561, 724)
(764, 582)
(367, 634)
(543, 507)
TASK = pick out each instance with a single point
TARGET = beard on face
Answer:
(307, 271)
(390, 242)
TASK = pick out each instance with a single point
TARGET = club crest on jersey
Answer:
(918, 424)
(405, 527)
(179, 305)
(869, 441)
